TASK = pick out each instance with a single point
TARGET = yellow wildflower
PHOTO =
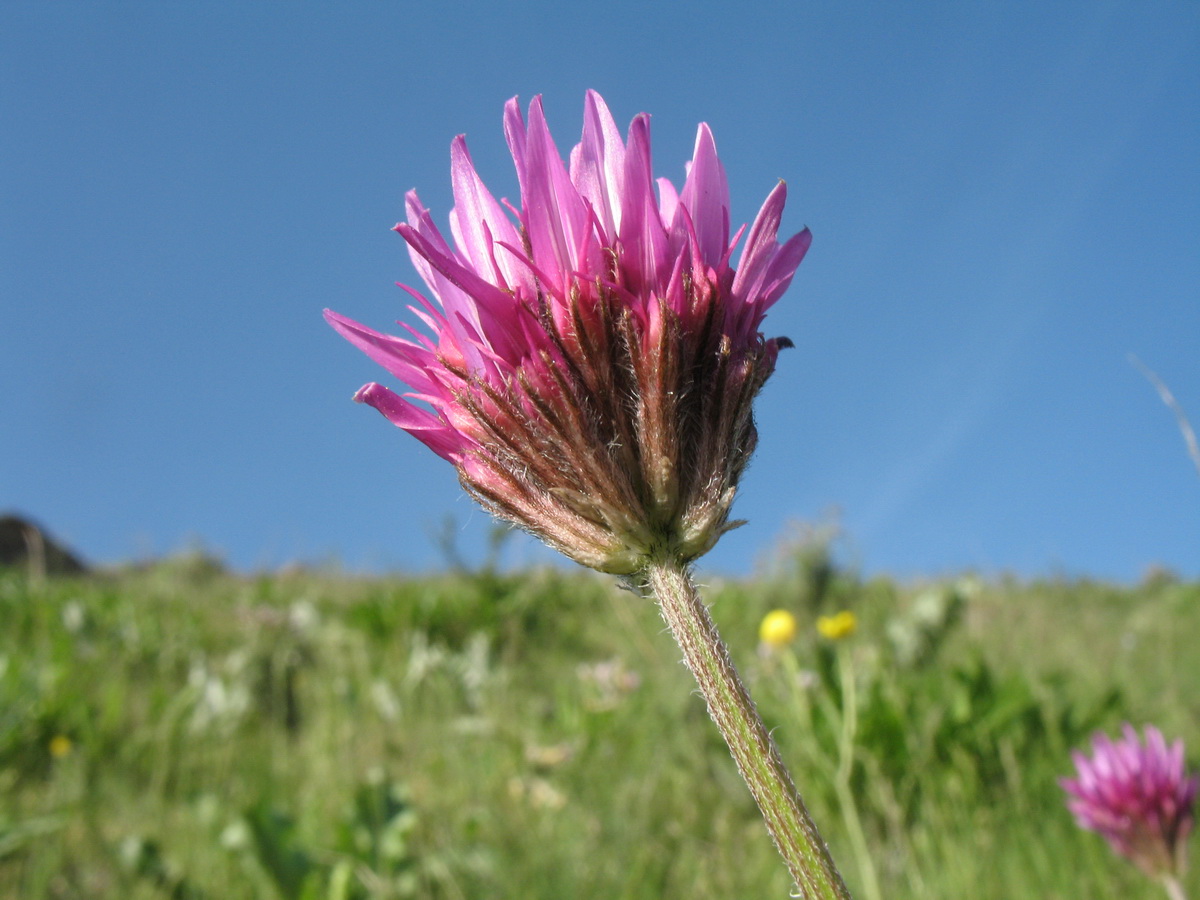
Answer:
(778, 628)
(838, 626)
(60, 746)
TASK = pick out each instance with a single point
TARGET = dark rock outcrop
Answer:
(24, 543)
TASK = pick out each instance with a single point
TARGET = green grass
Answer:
(534, 735)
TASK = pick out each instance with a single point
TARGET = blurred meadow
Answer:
(176, 731)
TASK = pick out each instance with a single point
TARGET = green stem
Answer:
(796, 681)
(858, 840)
(738, 720)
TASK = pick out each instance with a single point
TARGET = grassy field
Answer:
(177, 732)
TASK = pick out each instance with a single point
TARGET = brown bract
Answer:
(625, 443)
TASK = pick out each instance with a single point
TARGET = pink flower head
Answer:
(593, 354)
(1138, 797)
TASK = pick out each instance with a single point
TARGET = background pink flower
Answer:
(1138, 796)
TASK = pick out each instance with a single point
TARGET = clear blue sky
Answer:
(1005, 199)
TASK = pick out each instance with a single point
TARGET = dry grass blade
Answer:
(1185, 427)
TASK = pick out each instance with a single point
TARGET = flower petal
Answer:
(478, 222)
(407, 361)
(431, 431)
(555, 215)
(598, 164)
(643, 240)
(706, 197)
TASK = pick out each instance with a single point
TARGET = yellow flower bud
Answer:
(778, 628)
(838, 626)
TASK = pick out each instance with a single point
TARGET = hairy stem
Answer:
(738, 720)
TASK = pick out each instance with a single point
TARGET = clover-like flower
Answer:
(1137, 796)
(593, 354)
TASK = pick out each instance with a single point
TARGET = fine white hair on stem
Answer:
(1185, 427)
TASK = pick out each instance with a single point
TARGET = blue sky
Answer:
(1005, 199)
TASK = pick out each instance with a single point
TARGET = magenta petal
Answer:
(782, 267)
(514, 134)
(668, 200)
(421, 424)
(474, 299)
(407, 361)
(477, 221)
(598, 164)
(706, 197)
(642, 236)
(420, 220)
(760, 243)
(427, 247)
(555, 215)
